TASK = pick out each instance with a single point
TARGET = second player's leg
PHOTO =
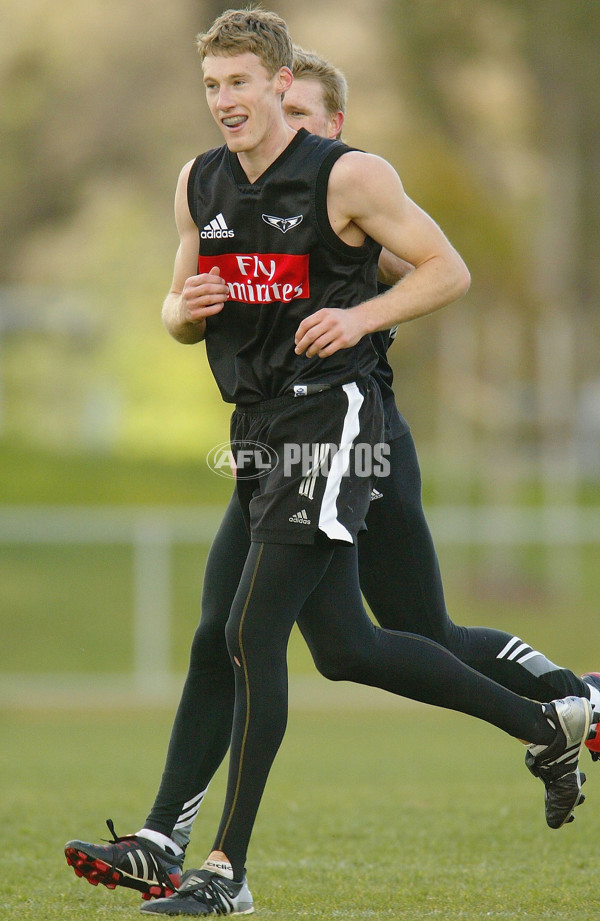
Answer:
(400, 578)
(202, 727)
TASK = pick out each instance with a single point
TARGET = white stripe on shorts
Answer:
(328, 520)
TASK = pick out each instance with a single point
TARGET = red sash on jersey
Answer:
(261, 278)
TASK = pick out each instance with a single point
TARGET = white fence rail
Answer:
(152, 533)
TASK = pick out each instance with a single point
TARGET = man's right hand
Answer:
(203, 296)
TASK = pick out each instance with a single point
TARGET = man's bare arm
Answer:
(365, 196)
(192, 298)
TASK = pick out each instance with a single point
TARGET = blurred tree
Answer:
(508, 92)
(99, 91)
(560, 40)
(513, 86)
(488, 108)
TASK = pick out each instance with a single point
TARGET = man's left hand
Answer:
(327, 331)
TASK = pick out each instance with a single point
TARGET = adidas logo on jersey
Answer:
(217, 229)
(375, 494)
(300, 518)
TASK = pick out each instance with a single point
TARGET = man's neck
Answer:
(257, 161)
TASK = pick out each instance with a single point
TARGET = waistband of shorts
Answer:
(287, 399)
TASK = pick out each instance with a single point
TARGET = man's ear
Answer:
(284, 79)
(336, 123)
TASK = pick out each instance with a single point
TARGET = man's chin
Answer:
(237, 144)
(232, 138)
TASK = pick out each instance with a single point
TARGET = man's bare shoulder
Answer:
(185, 170)
(183, 218)
(360, 180)
(358, 173)
(355, 165)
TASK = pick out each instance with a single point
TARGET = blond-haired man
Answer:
(283, 294)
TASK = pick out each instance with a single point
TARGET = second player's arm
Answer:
(391, 269)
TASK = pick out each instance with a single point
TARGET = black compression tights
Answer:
(276, 582)
(400, 578)
(401, 581)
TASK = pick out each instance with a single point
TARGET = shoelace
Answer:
(118, 839)
(161, 874)
(210, 892)
(111, 828)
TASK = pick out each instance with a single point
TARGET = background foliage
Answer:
(487, 108)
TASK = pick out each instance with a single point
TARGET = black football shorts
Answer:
(305, 465)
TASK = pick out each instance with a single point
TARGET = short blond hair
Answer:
(252, 30)
(309, 65)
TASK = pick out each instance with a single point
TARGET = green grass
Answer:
(64, 605)
(405, 813)
(29, 476)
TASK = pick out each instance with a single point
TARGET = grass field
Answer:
(404, 812)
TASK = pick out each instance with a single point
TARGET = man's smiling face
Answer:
(244, 100)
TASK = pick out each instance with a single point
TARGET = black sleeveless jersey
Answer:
(282, 261)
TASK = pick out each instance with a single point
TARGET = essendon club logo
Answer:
(261, 278)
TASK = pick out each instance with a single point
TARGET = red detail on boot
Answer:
(593, 743)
